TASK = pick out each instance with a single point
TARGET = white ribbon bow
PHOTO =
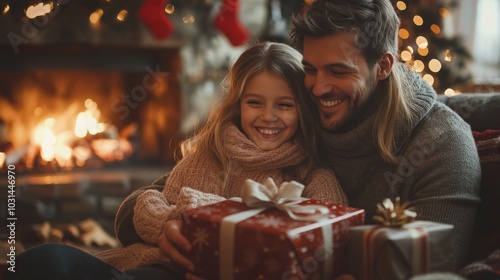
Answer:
(285, 198)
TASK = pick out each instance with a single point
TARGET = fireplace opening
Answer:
(84, 107)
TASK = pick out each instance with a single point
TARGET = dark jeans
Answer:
(57, 261)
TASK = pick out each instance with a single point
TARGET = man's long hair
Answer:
(376, 25)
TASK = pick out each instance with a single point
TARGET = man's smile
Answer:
(331, 103)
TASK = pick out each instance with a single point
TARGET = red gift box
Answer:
(233, 241)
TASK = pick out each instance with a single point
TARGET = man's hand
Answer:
(170, 240)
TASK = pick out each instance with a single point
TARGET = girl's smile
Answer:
(269, 114)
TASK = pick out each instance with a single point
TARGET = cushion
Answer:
(487, 229)
(480, 110)
(488, 147)
(487, 268)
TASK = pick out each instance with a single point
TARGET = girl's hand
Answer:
(171, 239)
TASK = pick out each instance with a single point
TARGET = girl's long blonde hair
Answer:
(278, 59)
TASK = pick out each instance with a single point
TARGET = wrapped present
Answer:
(401, 247)
(270, 234)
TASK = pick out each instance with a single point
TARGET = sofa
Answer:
(482, 112)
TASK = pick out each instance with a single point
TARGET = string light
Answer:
(418, 66)
(443, 12)
(122, 15)
(40, 9)
(405, 55)
(422, 42)
(436, 29)
(95, 17)
(188, 19)
(447, 55)
(435, 65)
(423, 51)
(418, 20)
(169, 9)
(403, 33)
(426, 57)
(450, 92)
(429, 79)
(6, 9)
(401, 5)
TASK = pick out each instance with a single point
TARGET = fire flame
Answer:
(3, 156)
(87, 121)
(44, 138)
(57, 146)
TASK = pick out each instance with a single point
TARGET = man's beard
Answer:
(340, 126)
(356, 115)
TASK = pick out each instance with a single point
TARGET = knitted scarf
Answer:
(247, 160)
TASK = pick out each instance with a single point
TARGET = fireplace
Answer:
(85, 125)
(87, 106)
(90, 110)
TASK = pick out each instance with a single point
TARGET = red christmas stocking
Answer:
(227, 22)
(152, 13)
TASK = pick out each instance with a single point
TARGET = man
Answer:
(385, 135)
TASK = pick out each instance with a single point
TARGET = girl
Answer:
(264, 127)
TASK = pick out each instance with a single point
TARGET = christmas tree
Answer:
(442, 60)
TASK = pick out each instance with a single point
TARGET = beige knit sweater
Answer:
(199, 180)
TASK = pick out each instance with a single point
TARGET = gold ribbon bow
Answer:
(286, 198)
(394, 214)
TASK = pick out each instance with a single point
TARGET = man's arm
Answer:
(124, 225)
(445, 176)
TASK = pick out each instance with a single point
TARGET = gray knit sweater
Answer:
(438, 169)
